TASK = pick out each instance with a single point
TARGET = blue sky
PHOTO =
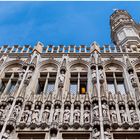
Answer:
(59, 22)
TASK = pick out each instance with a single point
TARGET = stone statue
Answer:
(21, 75)
(16, 110)
(96, 134)
(107, 134)
(123, 115)
(46, 115)
(26, 114)
(67, 115)
(101, 74)
(2, 113)
(96, 111)
(77, 115)
(86, 115)
(35, 115)
(6, 134)
(133, 115)
(29, 75)
(104, 109)
(61, 78)
(56, 114)
(132, 78)
(113, 115)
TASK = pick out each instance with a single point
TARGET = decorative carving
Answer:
(6, 134)
(95, 111)
(76, 117)
(133, 79)
(104, 110)
(96, 134)
(133, 115)
(113, 115)
(86, 115)
(107, 134)
(61, 79)
(123, 115)
(35, 115)
(66, 115)
(56, 114)
(16, 110)
(2, 113)
(46, 115)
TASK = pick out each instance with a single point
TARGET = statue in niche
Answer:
(67, 115)
(107, 134)
(46, 115)
(86, 115)
(2, 113)
(35, 115)
(29, 74)
(132, 78)
(133, 115)
(61, 78)
(21, 75)
(96, 134)
(6, 134)
(113, 115)
(104, 109)
(77, 115)
(56, 114)
(101, 73)
(123, 115)
(16, 110)
(26, 114)
(95, 111)
(7, 109)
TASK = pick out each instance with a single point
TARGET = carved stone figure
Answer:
(21, 75)
(29, 75)
(96, 134)
(67, 115)
(46, 115)
(96, 111)
(2, 113)
(104, 109)
(16, 110)
(56, 114)
(107, 134)
(6, 134)
(113, 115)
(101, 74)
(133, 115)
(61, 78)
(35, 115)
(123, 115)
(77, 115)
(26, 114)
(132, 78)
(87, 115)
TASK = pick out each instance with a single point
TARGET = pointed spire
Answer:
(94, 47)
(31, 97)
(130, 101)
(87, 102)
(110, 97)
(49, 97)
(38, 47)
(58, 100)
(120, 100)
(68, 100)
(119, 97)
(40, 98)
(77, 101)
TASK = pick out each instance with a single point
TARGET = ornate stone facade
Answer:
(73, 92)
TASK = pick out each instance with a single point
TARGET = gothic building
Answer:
(73, 92)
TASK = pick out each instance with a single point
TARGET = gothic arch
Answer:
(118, 64)
(52, 63)
(79, 62)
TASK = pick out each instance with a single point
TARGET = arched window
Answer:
(47, 78)
(114, 78)
(9, 79)
(78, 79)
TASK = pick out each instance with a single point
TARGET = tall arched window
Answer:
(78, 79)
(9, 78)
(47, 78)
(115, 78)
